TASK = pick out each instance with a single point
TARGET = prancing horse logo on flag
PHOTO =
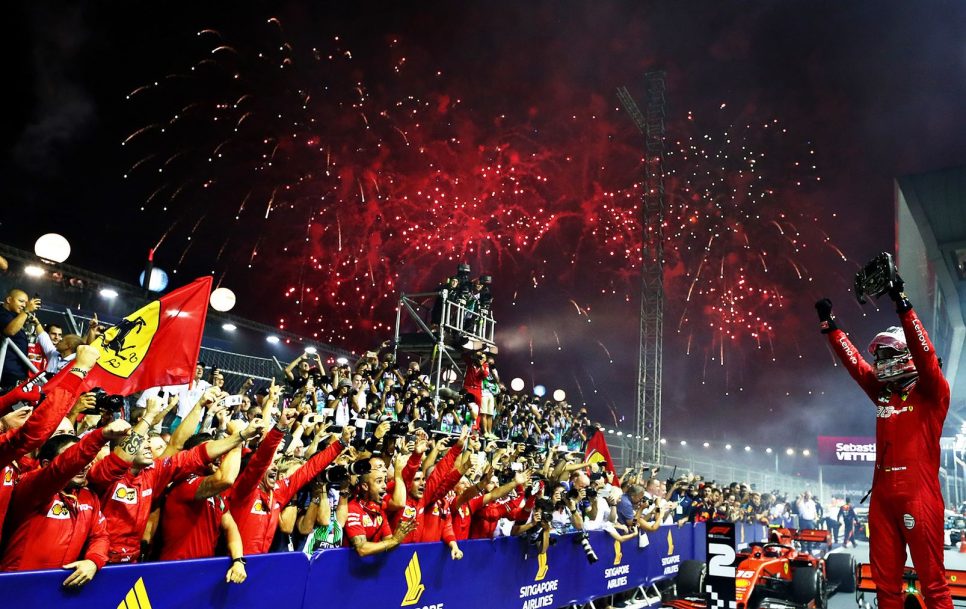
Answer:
(123, 346)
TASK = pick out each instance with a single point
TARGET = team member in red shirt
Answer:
(423, 494)
(469, 502)
(127, 502)
(54, 522)
(911, 396)
(258, 496)
(367, 527)
(40, 424)
(194, 512)
(477, 369)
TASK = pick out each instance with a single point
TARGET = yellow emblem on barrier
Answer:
(542, 566)
(670, 543)
(618, 554)
(414, 582)
(124, 346)
(137, 597)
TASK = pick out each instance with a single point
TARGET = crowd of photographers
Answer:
(356, 456)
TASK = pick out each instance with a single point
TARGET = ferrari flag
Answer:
(597, 451)
(156, 345)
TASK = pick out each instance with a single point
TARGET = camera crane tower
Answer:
(651, 346)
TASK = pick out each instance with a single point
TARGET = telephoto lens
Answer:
(588, 550)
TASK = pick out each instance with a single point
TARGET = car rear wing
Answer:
(955, 579)
(812, 535)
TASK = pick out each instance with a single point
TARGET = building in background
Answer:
(931, 251)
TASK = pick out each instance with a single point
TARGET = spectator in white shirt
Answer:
(188, 395)
(807, 511)
(48, 339)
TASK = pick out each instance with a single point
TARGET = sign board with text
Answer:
(846, 450)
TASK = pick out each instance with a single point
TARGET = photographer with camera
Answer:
(906, 384)
(16, 311)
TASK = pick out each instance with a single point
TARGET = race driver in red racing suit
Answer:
(912, 398)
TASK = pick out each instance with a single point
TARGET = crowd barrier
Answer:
(493, 574)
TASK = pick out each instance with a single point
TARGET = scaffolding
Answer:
(651, 346)
(440, 342)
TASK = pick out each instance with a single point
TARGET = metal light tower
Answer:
(651, 346)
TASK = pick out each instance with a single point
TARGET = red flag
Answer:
(156, 345)
(597, 451)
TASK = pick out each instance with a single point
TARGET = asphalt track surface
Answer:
(846, 600)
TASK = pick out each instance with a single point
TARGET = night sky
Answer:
(360, 149)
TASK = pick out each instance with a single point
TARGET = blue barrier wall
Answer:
(500, 573)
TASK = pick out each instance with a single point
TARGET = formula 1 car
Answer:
(774, 575)
(912, 598)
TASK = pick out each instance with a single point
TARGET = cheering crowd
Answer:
(353, 456)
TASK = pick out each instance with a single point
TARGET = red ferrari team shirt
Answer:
(68, 527)
(908, 425)
(366, 518)
(255, 510)
(127, 502)
(189, 526)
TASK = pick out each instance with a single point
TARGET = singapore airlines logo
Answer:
(414, 585)
(542, 566)
(670, 544)
(137, 597)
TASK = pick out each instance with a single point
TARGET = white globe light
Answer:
(272, 339)
(222, 299)
(52, 247)
(158, 282)
(559, 395)
(539, 391)
(516, 384)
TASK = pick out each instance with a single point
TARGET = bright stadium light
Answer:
(517, 384)
(52, 247)
(768, 450)
(272, 339)
(222, 299)
(158, 282)
(806, 452)
(33, 270)
(311, 350)
(747, 449)
(228, 327)
(539, 391)
(342, 361)
(108, 293)
(684, 442)
(559, 395)
(790, 452)
(727, 446)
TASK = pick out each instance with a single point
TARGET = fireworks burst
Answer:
(339, 179)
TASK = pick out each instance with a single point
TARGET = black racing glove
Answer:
(825, 317)
(898, 295)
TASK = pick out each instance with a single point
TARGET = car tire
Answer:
(690, 578)
(840, 567)
(806, 585)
